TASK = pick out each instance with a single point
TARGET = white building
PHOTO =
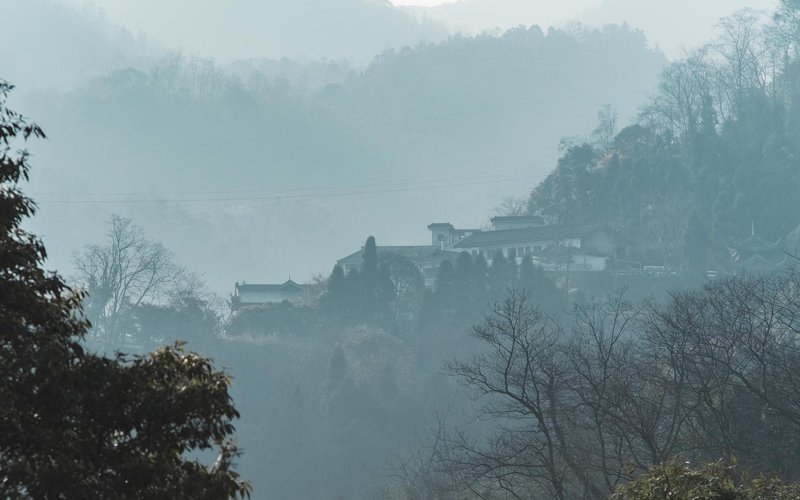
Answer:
(259, 294)
(584, 248)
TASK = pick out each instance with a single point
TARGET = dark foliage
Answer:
(76, 425)
(711, 160)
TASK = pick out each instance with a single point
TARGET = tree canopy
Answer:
(710, 161)
(77, 425)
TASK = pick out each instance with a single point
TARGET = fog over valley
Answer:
(419, 135)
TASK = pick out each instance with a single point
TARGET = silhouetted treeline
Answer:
(387, 291)
(355, 367)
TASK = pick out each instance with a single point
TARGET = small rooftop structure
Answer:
(443, 234)
(757, 255)
(541, 236)
(502, 223)
(259, 294)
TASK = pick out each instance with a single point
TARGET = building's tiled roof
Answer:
(289, 286)
(755, 245)
(759, 264)
(518, 218)
(526, 235)
(421, 253)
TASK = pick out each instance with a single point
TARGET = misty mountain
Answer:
(476, 16)
(296, 179)
(658, 19)
(309, 29)
(50, 45)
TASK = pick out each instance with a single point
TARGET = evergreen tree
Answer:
(480, 272)
(543, 292)
(337, 286)
(464, 285)
(376, 290)
(77, 425)
(446, 282)
(369, 265)
(502, 274)
(338, 303)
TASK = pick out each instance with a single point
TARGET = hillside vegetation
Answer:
(710, 162)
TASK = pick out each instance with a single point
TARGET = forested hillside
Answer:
(50, 45)
(711, 163)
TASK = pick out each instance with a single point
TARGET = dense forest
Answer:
(710, 163)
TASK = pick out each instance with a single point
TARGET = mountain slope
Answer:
(657, 18)
(45, 44)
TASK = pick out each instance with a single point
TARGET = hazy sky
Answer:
(241, 29)
(422, 3)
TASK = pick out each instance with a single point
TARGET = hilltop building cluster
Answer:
(552, 247)
(583, 248)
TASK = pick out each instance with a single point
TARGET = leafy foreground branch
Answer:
(77, 425)
(712, 481)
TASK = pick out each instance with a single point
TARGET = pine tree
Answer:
(502, 274)
(369, 265)
(446, 281)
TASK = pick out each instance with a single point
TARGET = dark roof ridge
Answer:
(522, 234)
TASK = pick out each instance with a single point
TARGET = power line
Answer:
(427, 179)
(305, 133)
(427, 174)
(300, 196)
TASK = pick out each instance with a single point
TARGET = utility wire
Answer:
(297, 196)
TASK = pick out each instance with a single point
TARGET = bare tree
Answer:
(576, 412)
(512, 206)
(525, 381)
(603, 135)
(743, 49)
(736, 343)
(711, 375)
(123, 273)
